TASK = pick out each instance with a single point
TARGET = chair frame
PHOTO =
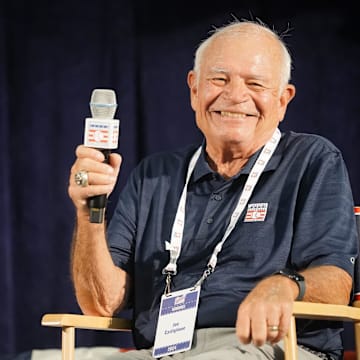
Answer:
(70, 322)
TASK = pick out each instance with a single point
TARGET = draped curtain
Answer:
(53, 54)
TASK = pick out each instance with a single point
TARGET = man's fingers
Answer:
(83, 151)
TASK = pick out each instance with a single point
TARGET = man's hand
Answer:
(101, 176)
(264, 315)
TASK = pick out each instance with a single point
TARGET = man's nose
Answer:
(236, 90)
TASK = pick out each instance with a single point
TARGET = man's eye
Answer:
(218, 81)
(255, 85)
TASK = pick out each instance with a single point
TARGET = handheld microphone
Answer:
(101, 132)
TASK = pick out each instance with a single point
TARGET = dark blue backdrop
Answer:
(53, 54)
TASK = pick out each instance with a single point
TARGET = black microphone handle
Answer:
(97, 203)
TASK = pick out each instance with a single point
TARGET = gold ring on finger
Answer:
(273, 328)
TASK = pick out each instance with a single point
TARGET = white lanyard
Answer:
(174, 246)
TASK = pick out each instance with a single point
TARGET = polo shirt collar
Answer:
(202, 167)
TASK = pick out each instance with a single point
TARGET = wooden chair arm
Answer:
(86, 322)
(317, 311)
(69, 322)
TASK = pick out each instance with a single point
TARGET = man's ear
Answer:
(192, 83)
(287, 95)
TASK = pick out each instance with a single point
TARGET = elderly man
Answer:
(223, 237)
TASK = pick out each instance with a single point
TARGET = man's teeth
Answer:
(233, 115)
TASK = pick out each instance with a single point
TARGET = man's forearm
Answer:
(327, 284)
(100, 286)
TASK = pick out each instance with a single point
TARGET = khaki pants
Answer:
(218, 344)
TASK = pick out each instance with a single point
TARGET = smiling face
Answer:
(237, 94)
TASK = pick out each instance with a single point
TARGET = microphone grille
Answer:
(103, 103)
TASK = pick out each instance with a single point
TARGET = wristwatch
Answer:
(294, 276)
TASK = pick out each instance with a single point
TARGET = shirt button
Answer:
(210, 220)
(217, 197)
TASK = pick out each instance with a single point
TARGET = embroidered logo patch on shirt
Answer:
(256, 212)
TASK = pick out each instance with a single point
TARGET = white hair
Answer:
(247, 26)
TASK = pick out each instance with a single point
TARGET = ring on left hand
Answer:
(273, 328)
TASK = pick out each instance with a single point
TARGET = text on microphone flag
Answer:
(101, 133)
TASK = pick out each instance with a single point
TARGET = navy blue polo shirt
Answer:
(308, 221)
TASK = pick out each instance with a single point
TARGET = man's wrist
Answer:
(297, 278)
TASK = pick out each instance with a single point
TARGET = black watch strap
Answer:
(294, 276)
